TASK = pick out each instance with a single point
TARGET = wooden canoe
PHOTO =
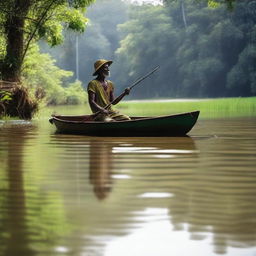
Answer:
(172, 125)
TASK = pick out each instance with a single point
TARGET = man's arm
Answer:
(93, 104)
(120, 97)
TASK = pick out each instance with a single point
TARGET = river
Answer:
(78, 195)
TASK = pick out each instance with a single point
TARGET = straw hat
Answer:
(99, 63)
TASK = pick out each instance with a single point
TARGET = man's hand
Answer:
(104, 111)
(127, 91)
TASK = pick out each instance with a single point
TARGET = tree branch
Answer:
(36, 28)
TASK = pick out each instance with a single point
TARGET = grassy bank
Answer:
(210, 108)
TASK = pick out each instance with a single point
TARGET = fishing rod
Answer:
(144, 77)
(133, 85)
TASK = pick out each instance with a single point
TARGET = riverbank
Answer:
(210, 108)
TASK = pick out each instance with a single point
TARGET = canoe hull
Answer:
(173, 125)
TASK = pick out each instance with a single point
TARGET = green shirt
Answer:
(101, 96)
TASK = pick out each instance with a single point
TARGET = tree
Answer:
(147, 39)
(241, 80)
(46, 80)
(25, 21)
(100, 40)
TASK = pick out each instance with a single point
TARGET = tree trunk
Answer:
(14, 31)
(21, 104)
(12, 62)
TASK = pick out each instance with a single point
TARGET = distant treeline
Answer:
(203, 50)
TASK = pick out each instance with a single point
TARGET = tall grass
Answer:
(210, 108)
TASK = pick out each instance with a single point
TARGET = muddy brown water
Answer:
(79, 195)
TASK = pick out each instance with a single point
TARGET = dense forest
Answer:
(204, 49)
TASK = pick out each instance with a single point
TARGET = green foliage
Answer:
(44, 19)
(195, 60)
(5, 98)
(59, 16)
(2, 47)
(75, 94)
(238, 79)
(209, 108)
(100, 39)
(41, 72)
(201, 59)
(147, 38)
(211, 3)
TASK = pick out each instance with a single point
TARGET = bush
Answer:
(40, 72)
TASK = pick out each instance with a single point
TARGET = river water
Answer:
(88, 196)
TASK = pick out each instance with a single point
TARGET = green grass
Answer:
(210, 108)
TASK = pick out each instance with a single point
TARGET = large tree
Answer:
(25, 21)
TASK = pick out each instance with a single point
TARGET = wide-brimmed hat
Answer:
(99, 63)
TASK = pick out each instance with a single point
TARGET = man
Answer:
(101, 93)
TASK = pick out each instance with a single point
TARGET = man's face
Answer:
(105, 70)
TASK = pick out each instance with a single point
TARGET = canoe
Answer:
(171, 125)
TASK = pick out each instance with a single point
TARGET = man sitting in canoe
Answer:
(101, 94)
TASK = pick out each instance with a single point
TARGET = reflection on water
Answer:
(101, 164)
(13, 214)
(77, 195)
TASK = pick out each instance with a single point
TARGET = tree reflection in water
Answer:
(125, 186)
(31, 218)
(218, 198)
(210, 198)
(14, 227)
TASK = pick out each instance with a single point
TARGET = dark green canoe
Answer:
(172, 125)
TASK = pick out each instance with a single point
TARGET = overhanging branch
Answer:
(36, 28)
